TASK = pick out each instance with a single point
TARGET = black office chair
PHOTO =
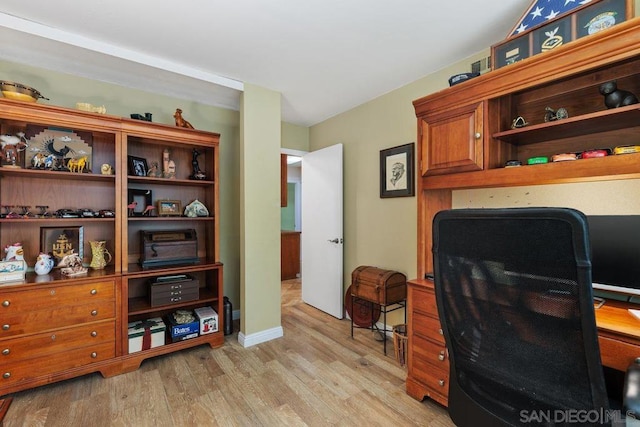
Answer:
(514, 296)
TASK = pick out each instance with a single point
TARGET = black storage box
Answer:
(169, 290)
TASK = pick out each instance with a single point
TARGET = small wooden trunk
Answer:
(380, 286)
(166, 248)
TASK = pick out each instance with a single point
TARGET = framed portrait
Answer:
(169, 208)
(62, 241)
(137, 166)
(138, 202)
(397, 171)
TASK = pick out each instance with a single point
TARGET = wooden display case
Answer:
(69, 326)
(477, 140)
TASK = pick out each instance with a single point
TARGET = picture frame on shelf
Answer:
(600, 16)
(139, 202)
(551, 36)
(62, 241)
(137, 166)
(397, 172)
(169, 208)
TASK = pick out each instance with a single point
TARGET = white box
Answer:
(146, 334)
(208, 320)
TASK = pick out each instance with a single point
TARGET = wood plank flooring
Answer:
(316, 375)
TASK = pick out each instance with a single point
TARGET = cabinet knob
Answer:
(53, 337)
(94, 291)
(94, 334)
(441, 382)
(478, 135)
(94, 355)
(6, 352)
(6, 375)
(441, 356)
(440, 331)
(5, 327)
(6, 303)
(94, 312)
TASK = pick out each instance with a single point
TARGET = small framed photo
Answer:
(169, 208)
(137, 166)
(139, 202)
(397, 171)
(62, 241)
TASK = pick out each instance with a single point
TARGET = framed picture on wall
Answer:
(397, 171)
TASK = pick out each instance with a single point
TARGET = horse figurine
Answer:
(77, 165)
(180, 121)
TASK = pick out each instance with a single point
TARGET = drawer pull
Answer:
(94, 312)
(441, 356)
(94, 334)
(440, 331)
(478, 135)
(6, 351)
(441, 382)
(6, 375)
(94, 355)
(5, 327)
(53, 337)
(94, 291)
(6, 303)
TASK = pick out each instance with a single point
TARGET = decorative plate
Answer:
(195, 209)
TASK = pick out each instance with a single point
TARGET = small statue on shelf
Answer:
(197, 173)
(180, 121)
(552, 115)
(11, 147)
(168, 165)
(154, 170)
(71, 265)
(614, 97)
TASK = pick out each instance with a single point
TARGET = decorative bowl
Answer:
(19, 92)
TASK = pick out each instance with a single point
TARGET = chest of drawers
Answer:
(52, 331)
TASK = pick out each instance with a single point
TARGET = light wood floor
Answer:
(316, 375)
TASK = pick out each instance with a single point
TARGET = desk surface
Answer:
(614, 317)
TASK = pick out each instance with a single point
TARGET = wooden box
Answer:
(169, 290)
(377, 285)
(166, 248)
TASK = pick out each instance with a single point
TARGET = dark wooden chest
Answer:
(171, 247)
(167, 292)
(377, 285)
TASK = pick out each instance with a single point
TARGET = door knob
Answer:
(336, 240)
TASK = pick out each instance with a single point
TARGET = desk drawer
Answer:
(617, 354)
(427, 327)
(430, 352)
(435, 379)
(423, 300)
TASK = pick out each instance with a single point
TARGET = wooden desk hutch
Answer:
(465, 138)
(56, 327)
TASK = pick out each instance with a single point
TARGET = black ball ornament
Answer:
(614, 97)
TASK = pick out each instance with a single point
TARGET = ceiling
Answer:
(324, 56)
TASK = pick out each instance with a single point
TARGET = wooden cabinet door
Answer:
(451, 141)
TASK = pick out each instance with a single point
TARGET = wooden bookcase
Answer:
(56, 327)
(465, 138)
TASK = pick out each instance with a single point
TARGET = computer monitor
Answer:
(615, 253)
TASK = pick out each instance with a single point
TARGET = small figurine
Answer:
(71, 265)
(147, 117)
(180, 121)
(518, 122)
(11, 146)
(77, 165)
(148, 210)
(614, 97)
(14, 252)
(44, 264)
(154, 170)
(197, 173)
(132, 206)
(106, 169)
(559, 114)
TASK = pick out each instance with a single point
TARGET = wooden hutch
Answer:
(56, 327)
(465, 137)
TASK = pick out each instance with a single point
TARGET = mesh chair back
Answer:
(514, 296)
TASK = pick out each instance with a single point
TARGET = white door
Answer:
(321, 243)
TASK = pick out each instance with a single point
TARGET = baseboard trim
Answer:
(260, 337)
